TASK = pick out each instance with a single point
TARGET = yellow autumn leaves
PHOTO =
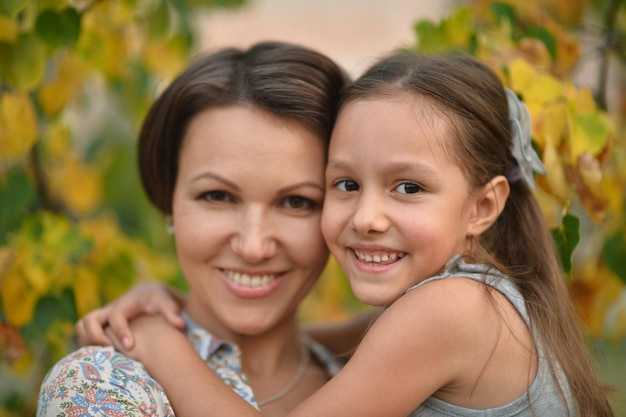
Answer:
(535, 55)
(572, 135)
(50, 255)
(18, 127)
(65, 67)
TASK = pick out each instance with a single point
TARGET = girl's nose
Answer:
(369, 215)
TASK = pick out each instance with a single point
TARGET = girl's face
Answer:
(246, 213)
(397, 208)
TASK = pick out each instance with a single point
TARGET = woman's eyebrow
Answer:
(292, 187)
(214, 176)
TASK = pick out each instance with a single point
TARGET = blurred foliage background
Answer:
(77, 76)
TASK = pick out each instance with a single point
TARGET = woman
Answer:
(233, 153)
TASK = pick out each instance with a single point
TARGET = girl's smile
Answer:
(392, 218)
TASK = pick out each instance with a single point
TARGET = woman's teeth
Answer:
(252, 281)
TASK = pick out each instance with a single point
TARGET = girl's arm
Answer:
(422, 343)
(156, 298)
(191, 386)
(343, 337)
(143, 298)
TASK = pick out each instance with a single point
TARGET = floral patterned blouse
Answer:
(99, 381)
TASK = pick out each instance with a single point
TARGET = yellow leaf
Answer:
(613, 186)
(8, 29)
(18, 298)
(619, 326)
(78, 185)
(18, 126)
(535, 52)
(36, 277)
(57, 139)
(165, 57)
(588, 133)
(556, 175)
(103, 41)
(549, 123)
(460, 26)
(586, 177)
(86, 295)
(551, 208)
(582, 99)
(55, 94)
(24, 364)
(536, 88)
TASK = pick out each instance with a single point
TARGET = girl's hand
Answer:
(143, 298)
(155, 339)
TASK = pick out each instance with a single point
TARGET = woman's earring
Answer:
(169, 225)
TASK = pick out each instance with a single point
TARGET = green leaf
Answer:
(595, 131)
(614, 253)
(16, 194)
(23, 63)
(49, 309)
(58, 28)
(159, 21)
(566, 237)
(10, 8)
(503, 11)
(545, 36)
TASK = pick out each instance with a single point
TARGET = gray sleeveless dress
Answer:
(545, 396)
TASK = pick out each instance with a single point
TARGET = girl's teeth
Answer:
(378, 258)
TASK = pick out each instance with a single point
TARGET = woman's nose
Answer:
(255, 239)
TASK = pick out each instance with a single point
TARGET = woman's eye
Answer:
(347, 185)
(299, 203)
(219, 196)
(408, 188)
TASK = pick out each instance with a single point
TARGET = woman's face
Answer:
(246, 213)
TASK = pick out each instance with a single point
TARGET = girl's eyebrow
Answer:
(391, 166)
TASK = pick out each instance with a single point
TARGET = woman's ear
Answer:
(488, 203)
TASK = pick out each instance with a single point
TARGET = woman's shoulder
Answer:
(96, 379)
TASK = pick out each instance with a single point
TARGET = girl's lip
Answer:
(377, 255)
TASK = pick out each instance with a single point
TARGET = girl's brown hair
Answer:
(519, 244)
(286, 80)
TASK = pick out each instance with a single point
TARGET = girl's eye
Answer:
(408, 188)
(216, 196)
(299, 203)
(347, 185)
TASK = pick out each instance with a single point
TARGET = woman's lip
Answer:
(249, 279)
(251, 285)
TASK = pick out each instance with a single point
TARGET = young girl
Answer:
(429, 211)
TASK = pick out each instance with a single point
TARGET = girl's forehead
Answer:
(388, 113)
(399, 125)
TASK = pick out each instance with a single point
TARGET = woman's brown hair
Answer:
(285, 80)
(519, 244)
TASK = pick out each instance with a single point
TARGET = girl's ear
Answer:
(488, 203)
